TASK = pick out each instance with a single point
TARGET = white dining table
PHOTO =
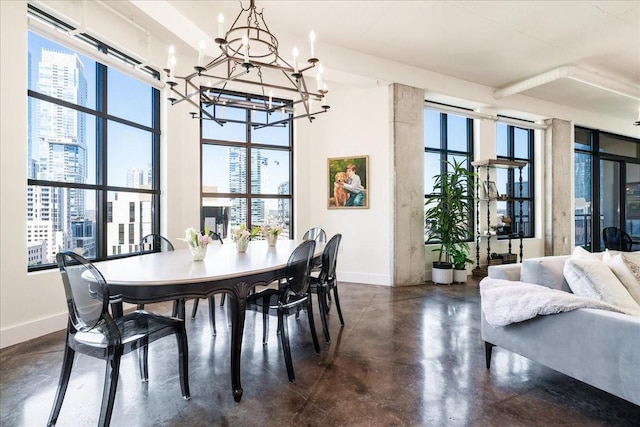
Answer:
(166, 276)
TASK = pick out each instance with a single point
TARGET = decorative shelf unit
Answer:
(487, 166)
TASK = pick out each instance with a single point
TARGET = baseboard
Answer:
(369, 279)
(27, 331)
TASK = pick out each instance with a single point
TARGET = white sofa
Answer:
(598, 347)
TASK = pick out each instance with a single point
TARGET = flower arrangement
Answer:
(271, 233)
(241, 233)
(242, 236)
(270, 230)
(197, 242)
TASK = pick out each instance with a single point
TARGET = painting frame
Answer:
(339, 197)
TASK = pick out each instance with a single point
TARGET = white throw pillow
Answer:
(581, 253)
(592, 278)
(609, 254)
(626, 267)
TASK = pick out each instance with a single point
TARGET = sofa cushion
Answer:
(592, 278)
(582, 253)
(626, 267)
(545, 271)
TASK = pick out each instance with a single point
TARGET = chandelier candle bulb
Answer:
(201, 48)
(245, 48)
(221, 26)
(295, 59)
(312, 39)
(172, 51)
(172, 65)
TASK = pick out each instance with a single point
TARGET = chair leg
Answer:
(488, 349)
(286, 349)
(140, 306)
(265, 321)
(224, 296)
(323, 314)
(110, 385)
(195, 307)
(65, 373)
(178, 308)
(335, 295)
(212, 314)
(183, 360)
(312, 324)
(143, 360)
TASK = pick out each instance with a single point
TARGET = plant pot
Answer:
(272, 239)
(460, 276)
(242, 245)
(442, 273)
(198, 252)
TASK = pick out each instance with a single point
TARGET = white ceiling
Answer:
(493, 43)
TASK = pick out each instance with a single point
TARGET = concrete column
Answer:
(407, 141)
(559, 228)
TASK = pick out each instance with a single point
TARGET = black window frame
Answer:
(594, 151)
(249, 145)
(104, 209)
(513, 182)
(444, 152)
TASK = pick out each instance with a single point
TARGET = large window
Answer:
(93, 150)
(447, 137)
(607, 186)
(246, 169)
(515, 143)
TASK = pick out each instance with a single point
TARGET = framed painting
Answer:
(348, 179)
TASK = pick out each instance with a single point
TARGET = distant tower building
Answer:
(58, 138)
(135, 178)
(283, 204)
(238, 184)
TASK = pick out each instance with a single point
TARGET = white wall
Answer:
(357, 124)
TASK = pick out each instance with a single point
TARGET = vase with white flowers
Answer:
(242, 236)
(271, 233)
(197, 242)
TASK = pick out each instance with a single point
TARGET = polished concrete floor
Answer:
(408, 356)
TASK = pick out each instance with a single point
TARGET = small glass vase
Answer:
(198, 252)
(272, 239)
(242, 245)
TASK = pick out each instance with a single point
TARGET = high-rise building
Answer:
(135, 177)
(58, 152)
(238, 184)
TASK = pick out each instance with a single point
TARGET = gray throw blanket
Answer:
(505, 301)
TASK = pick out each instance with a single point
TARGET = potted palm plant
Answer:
(460, 257)
(446, 216)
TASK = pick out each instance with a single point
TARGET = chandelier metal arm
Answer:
(248, 46)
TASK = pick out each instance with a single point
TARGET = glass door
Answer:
(632, 204)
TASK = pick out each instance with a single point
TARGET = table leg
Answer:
(238, 312)
(117, 310)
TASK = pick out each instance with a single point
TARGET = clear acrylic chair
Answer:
(291, 295)
(325, 281)
(94, 332)
(157, 243)
(315, 233)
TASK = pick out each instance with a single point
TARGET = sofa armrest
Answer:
(506, 271)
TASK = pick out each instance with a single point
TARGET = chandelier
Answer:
(249, 61)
